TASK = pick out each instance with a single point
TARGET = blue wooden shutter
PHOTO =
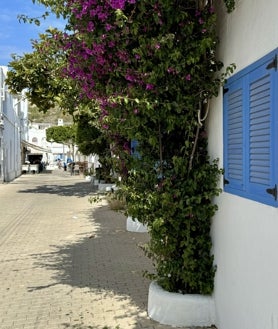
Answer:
(233, 136)
(251, 131)
(134, 146)
(260, 142)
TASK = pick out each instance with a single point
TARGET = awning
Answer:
(35, 147)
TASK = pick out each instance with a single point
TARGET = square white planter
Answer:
(102, 187)
(180, 310)
(133, 225)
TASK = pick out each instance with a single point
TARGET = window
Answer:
(134, 146)
(251, 131)
(34, 140)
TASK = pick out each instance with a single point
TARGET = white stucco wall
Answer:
(245, 233)
(14, 110)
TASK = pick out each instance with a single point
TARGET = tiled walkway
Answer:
(65, 263)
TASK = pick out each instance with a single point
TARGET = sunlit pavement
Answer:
(65, 263)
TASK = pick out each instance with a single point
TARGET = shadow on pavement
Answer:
(79, 189)
(80, 326)
(107, 262)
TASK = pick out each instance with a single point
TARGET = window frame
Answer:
(242, 82)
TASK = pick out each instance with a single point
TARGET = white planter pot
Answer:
(180, 310)
(102, 187)
(133, 225)
(88, 178)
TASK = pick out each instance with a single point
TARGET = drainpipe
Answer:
(2, 97)
(1, 145)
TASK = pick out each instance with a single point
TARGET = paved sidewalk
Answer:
(65, 263)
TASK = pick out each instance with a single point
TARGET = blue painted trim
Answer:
(255, 188)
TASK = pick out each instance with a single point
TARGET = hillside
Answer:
(52, 116)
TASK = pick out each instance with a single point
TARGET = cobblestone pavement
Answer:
(65, 263)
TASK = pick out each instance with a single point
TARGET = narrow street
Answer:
(61, 261)
(65, 263)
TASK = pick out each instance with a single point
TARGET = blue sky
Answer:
(14, 36)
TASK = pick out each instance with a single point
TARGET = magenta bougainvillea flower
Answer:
(120, 4)
(149, 86)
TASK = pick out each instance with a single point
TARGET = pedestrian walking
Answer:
(72, 165)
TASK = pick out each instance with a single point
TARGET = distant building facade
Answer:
(52, 151)
(13, 129)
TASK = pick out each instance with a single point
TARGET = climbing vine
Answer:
(152, 68)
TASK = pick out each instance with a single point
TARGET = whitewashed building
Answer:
(49, 151)
(243, 134)
(13, 129)
(37, 144)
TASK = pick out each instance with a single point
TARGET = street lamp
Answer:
(51, 148)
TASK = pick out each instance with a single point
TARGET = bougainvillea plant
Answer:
(152, 67)
(149, 68)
